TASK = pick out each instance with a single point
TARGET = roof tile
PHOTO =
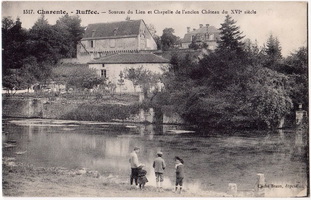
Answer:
(113, 29)
(130, 58)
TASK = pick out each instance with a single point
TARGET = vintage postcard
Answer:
(155, 99)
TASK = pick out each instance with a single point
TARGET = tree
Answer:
(29, 72)
(10, 82)
(152, 30)
(273, 49)
(14, 44)
(143, 77)
(168, 39)
(84, 78)
(47, 42)
(230, 36)
(156, 38)
(296, 67)
(71, 28)
(227, 88)
(121, 81)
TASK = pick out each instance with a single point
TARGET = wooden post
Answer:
(232, 189)
(260, 185)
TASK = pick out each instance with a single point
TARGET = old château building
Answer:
(103, 39)
(203, 35)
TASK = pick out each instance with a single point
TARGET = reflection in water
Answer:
(117, 148)
(211, 160)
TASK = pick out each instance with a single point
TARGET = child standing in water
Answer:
(179, 173)
(142, 179)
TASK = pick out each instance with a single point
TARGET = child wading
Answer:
(179, 173)
(159, 167)
(142, 179)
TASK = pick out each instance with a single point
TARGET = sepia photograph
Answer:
(167, 99)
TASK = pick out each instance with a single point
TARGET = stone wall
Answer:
(43, 108)
(31, 108)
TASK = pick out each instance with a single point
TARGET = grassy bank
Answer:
(24, 180)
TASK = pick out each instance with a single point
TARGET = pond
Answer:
(213, 159)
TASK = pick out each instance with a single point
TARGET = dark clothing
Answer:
(180, 171)
(179, 181)
(134, 175)
(179, 174)
(142, 179)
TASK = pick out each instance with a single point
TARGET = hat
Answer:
(136, 148)
(181, 160)
(159, 153)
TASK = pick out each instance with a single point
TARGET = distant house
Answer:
(103, 39)
(203, 35)
(111, 66)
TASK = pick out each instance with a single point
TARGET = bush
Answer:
(105, 112)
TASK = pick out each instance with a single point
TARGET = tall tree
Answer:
(273, 48)
(14, 45)
(230, 36)
(71, 28)
(46, 42)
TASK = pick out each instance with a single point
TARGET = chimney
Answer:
(188, 29)
(201, 25)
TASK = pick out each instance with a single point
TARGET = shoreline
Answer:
(26, 180)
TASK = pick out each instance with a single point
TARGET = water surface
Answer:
(213, 159)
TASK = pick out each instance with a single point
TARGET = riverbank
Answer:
(25, 180)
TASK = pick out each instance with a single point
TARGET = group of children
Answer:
(159, 167)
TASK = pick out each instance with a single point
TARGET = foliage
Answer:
(84, 78)
(29, 56)
(145, 78)
(273, 49)
(227, 88)
(168, 39)
(14, 44)
(71, 29)
(46, 42)
(296, 67)
(121, 81)
(156, 38)
(230, 36)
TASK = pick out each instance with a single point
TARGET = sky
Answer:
(286, 20)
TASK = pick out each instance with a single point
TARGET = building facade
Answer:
(111, 66)
(104, 39)
(204, 35)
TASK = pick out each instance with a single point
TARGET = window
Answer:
(92, 43)
(103, 73)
